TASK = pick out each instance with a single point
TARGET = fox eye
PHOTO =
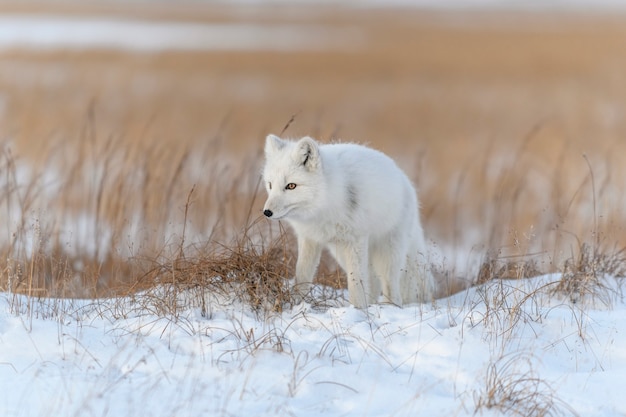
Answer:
(269, 185)
(290, 186)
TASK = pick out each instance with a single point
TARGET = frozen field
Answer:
(131, 140)
(503, 348)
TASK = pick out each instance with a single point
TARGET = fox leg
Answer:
(388, 267)
(353, 257)
(309, 253)
(388, 262)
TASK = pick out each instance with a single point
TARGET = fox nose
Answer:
(268, 213)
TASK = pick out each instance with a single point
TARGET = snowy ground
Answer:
(507, 344)
(41, 32)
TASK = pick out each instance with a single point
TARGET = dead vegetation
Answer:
(584, 274)
(498, 268)
(513, 388)
(148, 173)
(245, 272)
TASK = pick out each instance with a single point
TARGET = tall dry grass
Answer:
(92, 220)
(111, 220)
(114, 216)
(512, 133)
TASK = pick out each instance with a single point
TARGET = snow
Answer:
(538, 5)
(121, 357)
(50, 32)
(43, 32)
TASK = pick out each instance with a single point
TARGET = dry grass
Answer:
(148, 172)
(584, 274)
(512, 388)
(98, 211)
(242, 273)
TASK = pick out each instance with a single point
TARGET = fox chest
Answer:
(326, 232)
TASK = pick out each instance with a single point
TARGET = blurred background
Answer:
(508, 115)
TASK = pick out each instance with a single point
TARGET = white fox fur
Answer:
(356, 202)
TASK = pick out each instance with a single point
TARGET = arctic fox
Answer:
(356, 202)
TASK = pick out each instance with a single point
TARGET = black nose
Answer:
(268, 213)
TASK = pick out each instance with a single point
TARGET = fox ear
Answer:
(273, 144)
(308, 153)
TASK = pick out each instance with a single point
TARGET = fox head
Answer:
(293, 177)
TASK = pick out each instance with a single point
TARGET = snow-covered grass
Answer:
(506, 347)
(210, 328)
